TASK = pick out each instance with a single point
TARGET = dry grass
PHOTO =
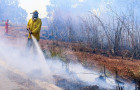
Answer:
(126, 68)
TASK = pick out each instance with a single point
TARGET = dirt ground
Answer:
(13, 79)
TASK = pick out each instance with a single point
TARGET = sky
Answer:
(40, 5)
(75, 6)
(31, 5)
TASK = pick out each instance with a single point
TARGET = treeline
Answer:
(10, 9)
(117, 33)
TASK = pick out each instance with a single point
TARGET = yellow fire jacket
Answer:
(35, 27)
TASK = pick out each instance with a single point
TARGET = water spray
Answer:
(44, 65)
(39, 51)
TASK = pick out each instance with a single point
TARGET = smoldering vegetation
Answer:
(52, 69)
(115, 33)
(112, 34)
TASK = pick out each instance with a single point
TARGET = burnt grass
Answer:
(75, 85)
(67, 85)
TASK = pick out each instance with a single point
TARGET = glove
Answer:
(28, 29)
(30, 32)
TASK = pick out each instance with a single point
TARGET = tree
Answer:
(10, 9)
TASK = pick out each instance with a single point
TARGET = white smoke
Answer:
(26, 62)
(36, 66)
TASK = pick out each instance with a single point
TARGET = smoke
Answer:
(41, 56)
(35, 66)
(25, 61)
(9, 6)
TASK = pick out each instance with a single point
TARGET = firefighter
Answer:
(34, 27)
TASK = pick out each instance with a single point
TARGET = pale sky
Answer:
(31, 5)
(95, 6)
(40, 5)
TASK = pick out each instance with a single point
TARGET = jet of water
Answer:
(45, 69)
